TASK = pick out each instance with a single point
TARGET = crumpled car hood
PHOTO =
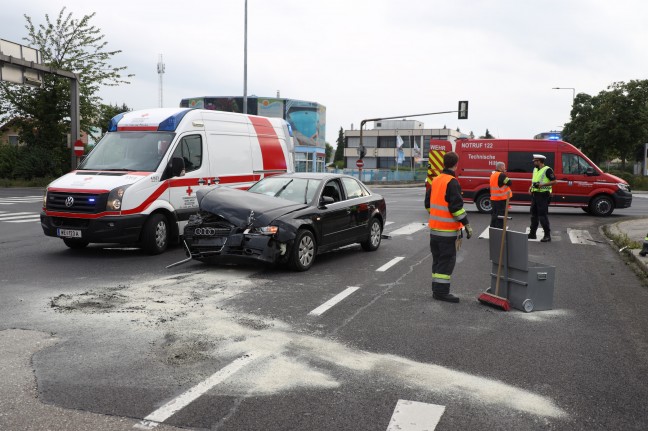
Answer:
(235, 205)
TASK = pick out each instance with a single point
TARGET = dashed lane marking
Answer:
(183, 400)
(389, 264)
(415, 416)
(333, 301)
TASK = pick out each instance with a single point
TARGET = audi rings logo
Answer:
(69, 201)
(205, 231)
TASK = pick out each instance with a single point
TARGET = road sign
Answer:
(360, 163)
(79, 149)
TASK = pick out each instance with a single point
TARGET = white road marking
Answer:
(25, 220)
(409, 229)
(580, 236)
(387, 223)
(14, 216)
(20, 199)
(389, 264)
(539, 234)
(331, 302)
(415, 416)
(180, 402)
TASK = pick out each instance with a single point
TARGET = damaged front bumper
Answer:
(244, 246)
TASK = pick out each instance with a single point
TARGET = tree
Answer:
(339, 150)
(42, 114)
(329, 152)
(612, 124)
(487, 135)
(106, 113)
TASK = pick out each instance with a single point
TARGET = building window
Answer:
(13, 140)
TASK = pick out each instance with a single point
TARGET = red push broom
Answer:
(488, 298)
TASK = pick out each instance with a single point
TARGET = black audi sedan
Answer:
(289, 218)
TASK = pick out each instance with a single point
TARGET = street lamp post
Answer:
(567, 88)
(245, 64)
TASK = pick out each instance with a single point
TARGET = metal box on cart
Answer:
(529, 286)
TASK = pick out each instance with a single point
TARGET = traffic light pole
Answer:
(463, 115)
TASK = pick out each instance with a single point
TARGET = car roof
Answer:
(312, 175)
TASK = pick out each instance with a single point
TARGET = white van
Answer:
(138, 185)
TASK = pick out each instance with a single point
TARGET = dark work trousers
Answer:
(497, 209)
(540, 211)
(444, 256)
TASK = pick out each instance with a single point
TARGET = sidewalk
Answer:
(636, 230)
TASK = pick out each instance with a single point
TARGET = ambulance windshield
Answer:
(129, 151)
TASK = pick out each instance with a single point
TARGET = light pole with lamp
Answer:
(245, 64)
(567, 88)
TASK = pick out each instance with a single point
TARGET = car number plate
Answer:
(68, 233)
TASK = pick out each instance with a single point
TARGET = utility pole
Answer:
(160, 70)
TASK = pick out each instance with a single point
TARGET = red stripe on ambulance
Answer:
(273, 157)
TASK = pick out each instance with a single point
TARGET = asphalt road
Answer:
(108, 338)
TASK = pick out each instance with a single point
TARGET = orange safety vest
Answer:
(440, 217)
(498, 193)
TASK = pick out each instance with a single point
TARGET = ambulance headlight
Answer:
(115, 198)
(624, 187)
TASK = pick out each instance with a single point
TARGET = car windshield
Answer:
(299, 190)
(129, 151)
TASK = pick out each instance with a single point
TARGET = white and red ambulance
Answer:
(138, 185)
(580, 183)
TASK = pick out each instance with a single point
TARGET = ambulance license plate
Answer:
(68, 233)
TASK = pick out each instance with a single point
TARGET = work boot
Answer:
(644, 248)
(532, 235)
(447, 297)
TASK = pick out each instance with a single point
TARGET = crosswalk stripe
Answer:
(408, 229)
(10, 216)
(26, 220)
(539, 234)
(415, 416)
(580, 236)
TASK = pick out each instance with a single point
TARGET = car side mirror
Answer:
(326, 200)
(177, 166)
(590, 172)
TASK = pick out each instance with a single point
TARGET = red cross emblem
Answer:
(189, 191)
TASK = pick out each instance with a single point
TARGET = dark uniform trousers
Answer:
(497, 209)
(444, 257)
(540, 211)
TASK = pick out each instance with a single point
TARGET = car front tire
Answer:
(155, 238)
(375, 235)
(483, 203)
(302, 254)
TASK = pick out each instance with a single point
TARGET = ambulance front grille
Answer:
(76, 202)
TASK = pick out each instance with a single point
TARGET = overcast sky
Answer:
(371, 58)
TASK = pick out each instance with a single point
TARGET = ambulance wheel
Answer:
(75, 243)
(155, 237)
(601, 206)
(375, 235)
(483, 203)
(302, 254)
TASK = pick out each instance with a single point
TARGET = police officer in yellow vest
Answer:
(500, 189)
(541, 182)
(447, 216)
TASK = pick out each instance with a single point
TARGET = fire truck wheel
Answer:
(601, 206)
(155, 236)
(483, 203)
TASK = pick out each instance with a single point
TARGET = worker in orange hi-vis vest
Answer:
(500, 190)
(447, 217)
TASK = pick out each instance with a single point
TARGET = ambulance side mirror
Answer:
(177, 166)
